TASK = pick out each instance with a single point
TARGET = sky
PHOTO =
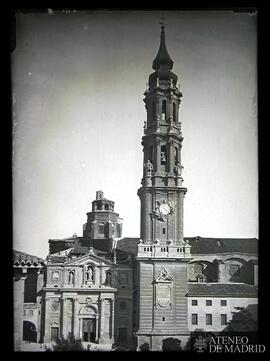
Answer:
(78, 80)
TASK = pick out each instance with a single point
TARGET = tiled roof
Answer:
(57, 259)
(21, 259)
(69, 239)
(222, 289)
(201, 245)
(79, 249)
(127, 245)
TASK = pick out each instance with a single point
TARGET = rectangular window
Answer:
(164, 230)
(208, 319)
(194, 319)
(194, 302)
(223, 303)
(223, 319)
(208, 302)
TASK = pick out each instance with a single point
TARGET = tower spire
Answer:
(163, 57)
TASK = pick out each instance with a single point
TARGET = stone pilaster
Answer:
(101, 321)
(75, 325)
(157, 155)
(221, 271)
(112, 320)
(171, 155)
(63, 317)
(46, 320)
(97, 327)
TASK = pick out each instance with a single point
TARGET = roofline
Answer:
(223, 253)
(220, 238)
(223, 295)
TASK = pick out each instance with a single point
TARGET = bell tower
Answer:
(162, 253)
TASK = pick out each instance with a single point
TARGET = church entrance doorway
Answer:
(29, 331)
(54, 334)
(89, 329)
(122, 338)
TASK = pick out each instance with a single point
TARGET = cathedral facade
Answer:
(105, 289)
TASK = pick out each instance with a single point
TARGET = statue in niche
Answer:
(178, 170)
(163, 158)
(148, 168)
(89, 274)
(71, 277)
(108, 280)
(163, 116)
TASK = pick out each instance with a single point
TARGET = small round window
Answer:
(123, 306)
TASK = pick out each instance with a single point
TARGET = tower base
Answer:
(162, 342)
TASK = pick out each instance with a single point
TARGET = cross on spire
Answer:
(162, 21)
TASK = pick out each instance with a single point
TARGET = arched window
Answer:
(164, 109)
(98, 206)
(163, 154)
(174, 112)
(106, 206)
(101, 229)
(151, 151)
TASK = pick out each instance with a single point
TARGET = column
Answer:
(75, 326)
(46, 320)
(157, 155)
(63, 324)
(80, 326)
(18, 292)
(97, 327)
(101, 333)
(180, 216)
(146, 209)
(221, 271)
(169, 108)
(158, 110)
(39, 300)
(171, 156)
(112, 320)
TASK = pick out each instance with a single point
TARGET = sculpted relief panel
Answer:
(163, 289)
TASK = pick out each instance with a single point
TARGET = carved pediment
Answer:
(87, 259)
(164, 276)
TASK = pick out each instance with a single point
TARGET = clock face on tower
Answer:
(164, 209)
